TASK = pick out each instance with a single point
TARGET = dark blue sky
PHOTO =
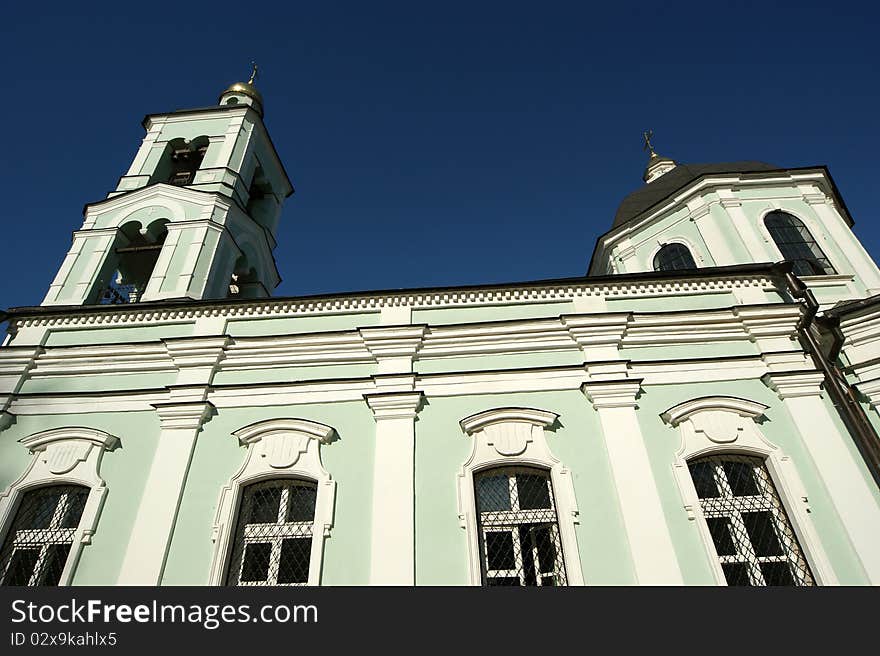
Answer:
(434, 143)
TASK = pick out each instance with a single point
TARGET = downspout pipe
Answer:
(842, 394)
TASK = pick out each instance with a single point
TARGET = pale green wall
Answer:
(484, 313)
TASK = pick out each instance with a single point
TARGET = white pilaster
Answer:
(181, 418)
(180, 423)
(392, 543)
(15, 363)
(651, 547)
(707, 226)
(846, 484)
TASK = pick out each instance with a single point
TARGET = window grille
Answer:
(753, 537)
(797, 245)
(39, 540)
(273, 540)
(674, 257)
(518, 528)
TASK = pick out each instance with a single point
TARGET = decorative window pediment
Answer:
(277, 449)
(61, 457)
(507, 440)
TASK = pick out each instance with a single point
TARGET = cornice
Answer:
(627, 285)
(187, 415)
(255, 432)
(794, 384)
(394, 405)
(613, 394)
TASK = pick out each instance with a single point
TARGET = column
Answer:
(87, 253)
(650, 543)
(845, 481)
(392, 543)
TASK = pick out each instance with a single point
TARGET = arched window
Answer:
(674, 257)
(797, 244)
(518, 528)
(131, 263)
(753, 537)
(38, 543)
(273, 538)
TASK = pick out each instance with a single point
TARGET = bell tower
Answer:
(195, 215)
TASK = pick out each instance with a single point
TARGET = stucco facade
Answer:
(392, 403)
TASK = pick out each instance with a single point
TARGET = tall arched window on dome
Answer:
(797, 244)
(674, 257)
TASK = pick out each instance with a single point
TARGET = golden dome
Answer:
(244, 88)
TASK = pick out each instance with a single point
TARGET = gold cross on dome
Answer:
(648, 136)
(254, 73)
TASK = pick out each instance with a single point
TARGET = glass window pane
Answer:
(719, 527)
(39, 509)
(53, 565)
(762, 534)
(295, 556)
(256, 562)
(777, 574)
(493, 493)
(703, 474)
(544, 540)
(21, 567)
(499, 551)
(264, 505)
(674, 257)
(741, 478)
(76, 503)
(301, 504)
(533, 491)
(736, 573)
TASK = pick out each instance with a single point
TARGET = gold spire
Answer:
(657, 164)
(254, 73)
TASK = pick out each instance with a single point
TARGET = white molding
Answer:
(505, 437)
(277, 448)
(725, 424)
(478, 297)
(62, 456)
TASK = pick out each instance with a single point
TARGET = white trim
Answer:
(277, 448)
(725, 424)
(505, 437)
(62, 456)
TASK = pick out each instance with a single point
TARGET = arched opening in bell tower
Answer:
(130, 263)
(180, 161)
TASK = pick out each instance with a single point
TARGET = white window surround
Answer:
(63, 456)
(714, 425)
(506, 437)
(277, 448)
(664, 241)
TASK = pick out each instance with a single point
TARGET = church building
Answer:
(700, 408)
